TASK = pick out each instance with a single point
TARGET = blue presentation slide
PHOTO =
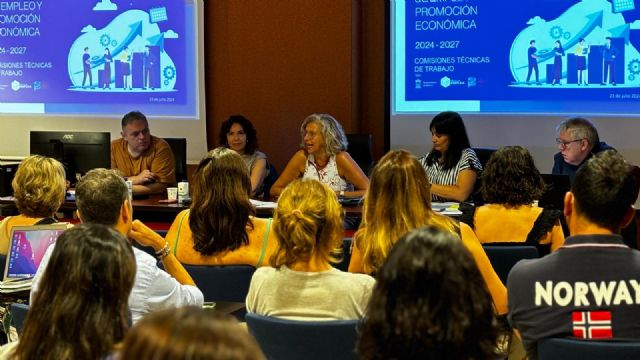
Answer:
(102, 57)
(525, 56)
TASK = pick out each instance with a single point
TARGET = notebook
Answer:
(27, 246)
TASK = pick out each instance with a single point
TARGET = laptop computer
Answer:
(27, 246)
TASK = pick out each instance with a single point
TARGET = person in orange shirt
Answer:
(39, 189)
(147, 161)
(219, 228)
(399, 200)
(510, 184)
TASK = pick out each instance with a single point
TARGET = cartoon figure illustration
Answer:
(86, 65)
(533, 61)
(149, 62)
(107, 69)
(557, 62)
(582, 50)
(125, 58)
(609, 53)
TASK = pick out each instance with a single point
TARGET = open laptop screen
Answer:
(27, 247)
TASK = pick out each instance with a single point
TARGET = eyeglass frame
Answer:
(563, 144)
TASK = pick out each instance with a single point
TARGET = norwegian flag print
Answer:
(592, 324)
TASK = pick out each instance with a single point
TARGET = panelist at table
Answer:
(145, 160)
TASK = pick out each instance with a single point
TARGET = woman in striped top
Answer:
(452, 166)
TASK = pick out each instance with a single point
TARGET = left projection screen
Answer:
(99, 57)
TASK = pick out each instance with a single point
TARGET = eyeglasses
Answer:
(563, 144)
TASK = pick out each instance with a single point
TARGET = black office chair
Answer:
(282, 339)
(504, 256)
(179, 149)
(269, 180)
(483, 154)
(228, 283)
(18, 314)
(360, 150)
(346, 255)
(570, 349)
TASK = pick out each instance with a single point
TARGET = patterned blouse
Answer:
(437, 175)
(328, 175)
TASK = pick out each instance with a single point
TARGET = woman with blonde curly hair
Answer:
(399, 200)
(302, 284)
(323, 156)
(39, 187)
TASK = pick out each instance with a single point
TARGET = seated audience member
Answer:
(189, 333)
(397, 201)
(423, 307)
(302, 284)
(451, 165)
(593, 275)
(81, 309)
(238, 134)
(324, 157)
(510, 185)
(577, 141)
(145, 160)
(219, 228)
(38, 190)
(102, 197)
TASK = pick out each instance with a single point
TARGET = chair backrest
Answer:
(504, 256)
(228, 283)
(179, 149)
(360, 150)
(268, 182)
(570, 349)
(283, 339)
(18, 314)
(483, 154)
(346, 255)
(555, 187)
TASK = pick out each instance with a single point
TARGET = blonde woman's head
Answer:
(308, 222)
(39, 186)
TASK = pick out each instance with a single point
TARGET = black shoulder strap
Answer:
(46, 221)
(468, 214)
(543, 224)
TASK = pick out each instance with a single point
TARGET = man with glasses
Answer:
(143, 159)
(577, 141)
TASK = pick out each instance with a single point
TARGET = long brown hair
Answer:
(81, 308)
(189, 333)
(221, 209)
(398, 200)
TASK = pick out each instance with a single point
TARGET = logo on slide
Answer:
(445, 82)
(15, 85)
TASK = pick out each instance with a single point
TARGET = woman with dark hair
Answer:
(323, 156)
(237, 133)
(106, 79)
(81, 308)
(301, 284)
(423, 306)
(510, 185)
(452, 166)
(219, 228)
(397, 201)
(189, 333)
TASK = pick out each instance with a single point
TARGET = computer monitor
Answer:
(79, 152)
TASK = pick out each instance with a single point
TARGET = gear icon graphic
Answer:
(114, 43)
(105, 39)
(566, 35)
(556, 32)
(634, 67)
(631, 77)
(169, 72)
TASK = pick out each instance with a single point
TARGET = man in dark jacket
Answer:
(577, 141)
